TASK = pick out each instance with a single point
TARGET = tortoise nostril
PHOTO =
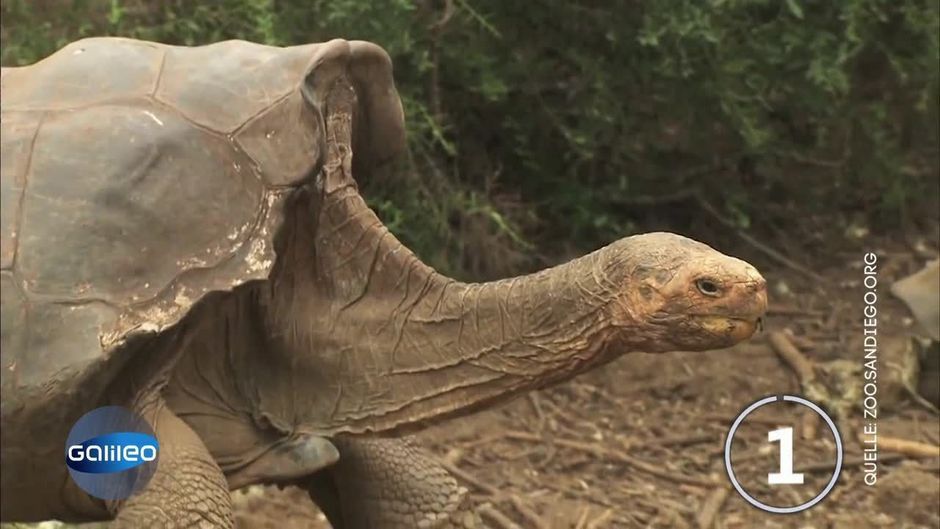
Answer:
(756, 282)
(758, 279)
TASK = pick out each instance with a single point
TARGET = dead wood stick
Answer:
(599, 520)
(908, 447)
(470, 479)
(750, 456)
(829, 466)
(801, 342)
(785, 310)
(527, 513)
(598, 392)
(477, 441)
(788, 352)
(537, 407)
(726, 420)
(566, 417)
(710, 507)
(805, 372)
(497, 518)
(933, 469)
(616, 456)
(931, 436)
(585, 511)
(809, 425)
(684, 440)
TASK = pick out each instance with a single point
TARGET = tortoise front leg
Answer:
(188, 488)
(390, 484)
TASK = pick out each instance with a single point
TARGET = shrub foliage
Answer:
(539, 127)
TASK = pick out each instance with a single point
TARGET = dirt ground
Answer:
(639, 443)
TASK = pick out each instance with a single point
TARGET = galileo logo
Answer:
(111, 453)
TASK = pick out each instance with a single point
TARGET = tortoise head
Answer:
(679, 294)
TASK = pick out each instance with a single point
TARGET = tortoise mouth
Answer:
(736, 328)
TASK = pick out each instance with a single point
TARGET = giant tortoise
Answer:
(182, 236)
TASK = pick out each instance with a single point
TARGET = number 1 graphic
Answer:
(786, 475)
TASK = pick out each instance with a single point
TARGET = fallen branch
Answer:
(802, 366)
(527, 513)
(908, 447)
(726, 420)
(805, 373)
(600, 520)
(582, 520)
(684, 440)
(784, 310)
(710, 507)
(809, 425)
(492, 491)
(616, 456)
(801, 342)
(537, 407)
(497, 518)
(829, 466)
(933, 469)
(470, 479)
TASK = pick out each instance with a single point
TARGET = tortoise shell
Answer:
(139, 177)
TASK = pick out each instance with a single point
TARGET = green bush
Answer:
(539, 128)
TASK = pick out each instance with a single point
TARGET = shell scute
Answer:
(84, 73)
(16, 142)
(284, 158)
(221, 86)
(122, 199)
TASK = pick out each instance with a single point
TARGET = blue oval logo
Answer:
(111, 453)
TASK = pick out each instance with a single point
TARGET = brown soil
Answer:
(639, 443)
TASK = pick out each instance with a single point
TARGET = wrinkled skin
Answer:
(353, 334)
(309, 376)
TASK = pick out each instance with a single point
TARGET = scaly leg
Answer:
(188, 488)
(390, 484)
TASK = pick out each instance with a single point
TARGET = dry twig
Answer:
(805, 372)
(615, 455)
(788, 352)
(599, 520)
(785, 310)
(809, 425)
(685, 440)
(527, 513)
(710, 507)
(537, 408)
(908, 447)
(497, 518)
(828, 466)
(470, 479)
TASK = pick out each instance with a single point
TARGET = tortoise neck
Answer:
(463, 347)
(393, 345)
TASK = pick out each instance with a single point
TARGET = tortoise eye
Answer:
(707, 287)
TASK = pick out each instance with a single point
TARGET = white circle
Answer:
(770, 508)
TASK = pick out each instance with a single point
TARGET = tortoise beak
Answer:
(733, 330)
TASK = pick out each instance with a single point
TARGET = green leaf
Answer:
(795, 9)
